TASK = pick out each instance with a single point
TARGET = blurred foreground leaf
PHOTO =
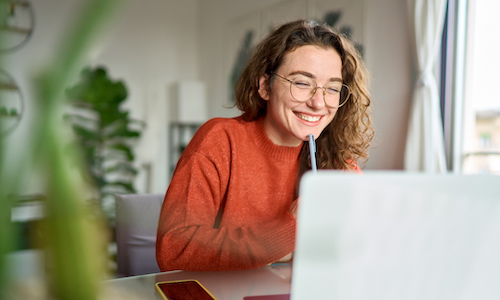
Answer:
(73, 238)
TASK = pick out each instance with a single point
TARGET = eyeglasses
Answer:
(303, 88)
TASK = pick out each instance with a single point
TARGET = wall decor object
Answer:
(344, 16)
(241, 35)
(17, 22)
(11, 104)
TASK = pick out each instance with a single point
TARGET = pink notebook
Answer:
(269, 297)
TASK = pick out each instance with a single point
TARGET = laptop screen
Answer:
(397, 235)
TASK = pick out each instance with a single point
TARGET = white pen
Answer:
(312, 150)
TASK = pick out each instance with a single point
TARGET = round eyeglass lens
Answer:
(335, 94)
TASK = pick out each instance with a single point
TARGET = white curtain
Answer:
(425, 142)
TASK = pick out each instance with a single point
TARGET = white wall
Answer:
(388, 57)
(149, 44)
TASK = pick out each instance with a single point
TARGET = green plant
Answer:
(105, 132)
(73, 241)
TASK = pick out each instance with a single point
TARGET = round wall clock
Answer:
(17, 21)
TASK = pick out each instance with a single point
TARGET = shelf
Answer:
(19, 30)
(180, 134)
(8, 86)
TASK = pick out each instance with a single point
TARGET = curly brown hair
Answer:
(347, 138)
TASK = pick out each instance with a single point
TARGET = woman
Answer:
(232, 200)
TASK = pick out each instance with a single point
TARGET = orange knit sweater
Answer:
(227, 205)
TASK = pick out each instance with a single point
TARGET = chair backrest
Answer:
(136, 225)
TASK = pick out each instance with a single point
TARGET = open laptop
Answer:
(397, 235)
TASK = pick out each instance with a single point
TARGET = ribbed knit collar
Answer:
(271, 149)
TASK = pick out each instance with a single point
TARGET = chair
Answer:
(136, 224)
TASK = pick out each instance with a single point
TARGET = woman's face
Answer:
(287, 121)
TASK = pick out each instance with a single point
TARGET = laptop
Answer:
(397, 235)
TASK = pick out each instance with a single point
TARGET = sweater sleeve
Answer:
(188, 235)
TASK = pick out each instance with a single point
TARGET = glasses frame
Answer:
(313, 92)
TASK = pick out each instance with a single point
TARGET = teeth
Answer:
(309, 118)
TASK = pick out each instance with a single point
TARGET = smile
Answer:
(308, 118)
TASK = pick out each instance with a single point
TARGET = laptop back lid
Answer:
(397, 235)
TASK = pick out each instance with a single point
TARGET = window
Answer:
(482, 99)
(471, 104)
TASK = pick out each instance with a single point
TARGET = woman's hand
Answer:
(286, 258)
(293, 208)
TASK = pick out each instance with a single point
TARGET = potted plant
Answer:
(105, 132)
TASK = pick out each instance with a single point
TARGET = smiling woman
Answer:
(346, 139)
(232, 201)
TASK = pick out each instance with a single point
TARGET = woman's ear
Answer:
(264, 88)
